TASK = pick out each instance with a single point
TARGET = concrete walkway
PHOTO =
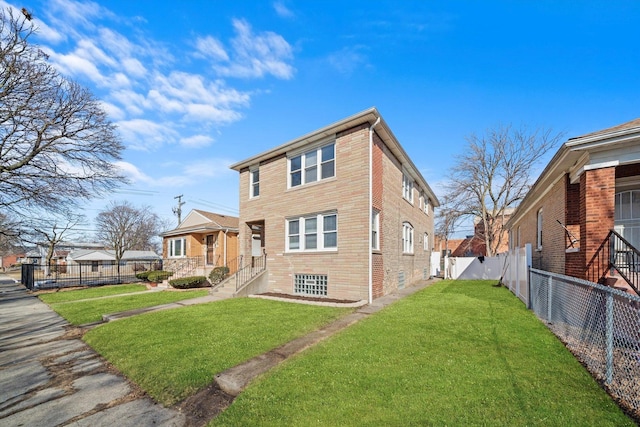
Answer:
(48, 377)
(234, 380)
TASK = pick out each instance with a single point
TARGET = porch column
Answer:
(597, 209)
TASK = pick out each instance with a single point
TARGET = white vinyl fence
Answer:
(515, 275)
(464, 268)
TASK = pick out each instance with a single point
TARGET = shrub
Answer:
(218, 274)
(159, 275)
(189, 282)
(143, 275)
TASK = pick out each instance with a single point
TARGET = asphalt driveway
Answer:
(50, 377)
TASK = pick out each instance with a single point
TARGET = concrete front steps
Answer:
(225, 290)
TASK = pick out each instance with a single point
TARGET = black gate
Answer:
(27, 275)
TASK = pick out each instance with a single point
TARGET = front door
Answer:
(257, 238)
(210, 249)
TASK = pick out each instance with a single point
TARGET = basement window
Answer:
(310, 284)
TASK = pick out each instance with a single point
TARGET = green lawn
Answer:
(91, 310)
(456, 353)
(97, 292)
(172, 354)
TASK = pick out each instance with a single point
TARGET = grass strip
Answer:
(97, 292)
(88, 311)
(456, 353)
(174, 353)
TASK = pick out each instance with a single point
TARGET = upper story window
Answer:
(313, 165)
(254, 178)
(177, 248)
(407, 238)
(424, 203)
(407, 187)
(539, 230)
(312, 233)
(375, 229)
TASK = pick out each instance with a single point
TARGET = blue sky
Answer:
(195, 86)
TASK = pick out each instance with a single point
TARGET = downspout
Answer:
(371, 208)
(224, 252)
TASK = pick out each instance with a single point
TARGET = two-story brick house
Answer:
(341, 212)
(590, 187)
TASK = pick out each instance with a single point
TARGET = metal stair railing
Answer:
(183, 267)
(250, 270)
(616, 253)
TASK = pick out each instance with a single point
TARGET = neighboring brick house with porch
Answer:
(202, 241)
(341, 212)
(590, 187)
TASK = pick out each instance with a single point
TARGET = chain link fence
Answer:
(599, 325)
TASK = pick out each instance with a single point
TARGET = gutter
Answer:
(371, 208)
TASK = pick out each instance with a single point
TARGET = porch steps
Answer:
(227, 290)
(617, 282)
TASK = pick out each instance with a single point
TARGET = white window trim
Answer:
(407, 187)
(407, 238)
(425, 242)
(302, 153)
(171, 248)
(375, 229)
(252, 183)
(539, 220)
(320, 233)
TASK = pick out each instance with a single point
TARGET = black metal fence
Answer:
(37, 277)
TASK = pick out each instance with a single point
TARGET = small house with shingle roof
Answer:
(582, 215)
(202, 241)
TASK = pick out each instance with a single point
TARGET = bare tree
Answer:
(493, 175)
(9, 235)
(447, 221)
(57, 145)
(124, 227)
(51, 231)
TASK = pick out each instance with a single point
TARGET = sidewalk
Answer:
(49, 377)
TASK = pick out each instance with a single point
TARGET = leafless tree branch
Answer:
(494, 174)
(57, 145)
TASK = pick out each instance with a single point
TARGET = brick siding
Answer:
(348, 194)
(597, 208)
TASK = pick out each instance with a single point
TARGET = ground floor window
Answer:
(177, 248)
(310, 284)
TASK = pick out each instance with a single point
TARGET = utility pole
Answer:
(177, 210)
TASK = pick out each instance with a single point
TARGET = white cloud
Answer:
(148, 91)
(258, 55)
(142, 134)
(76, 66)
(133, 173)
(208, 168)
(133, 102)
(119, 80)
(196, 141)
(134, 67)
(197, 112)
(88, 50)
(282, 10)
(114, 112)
(347, 60)
(210, 47)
